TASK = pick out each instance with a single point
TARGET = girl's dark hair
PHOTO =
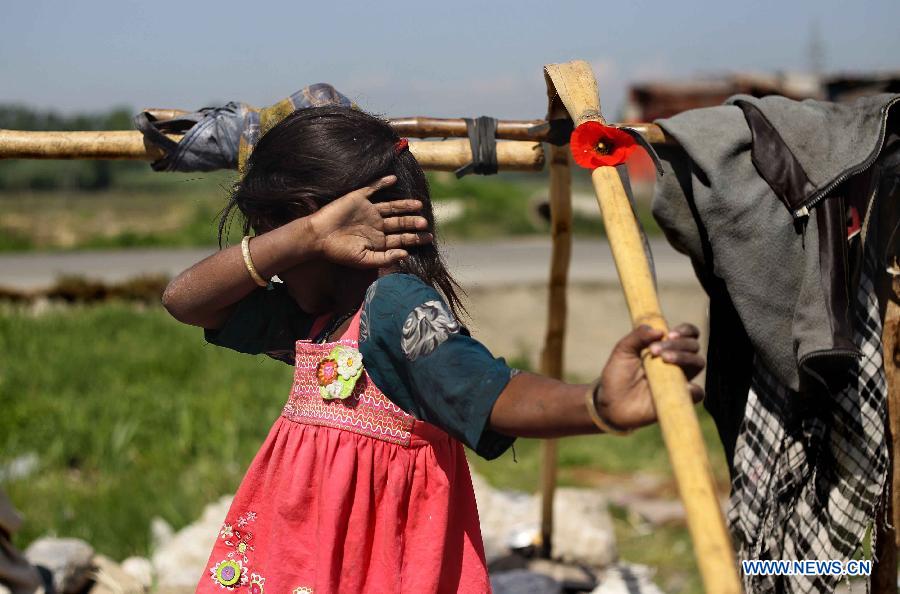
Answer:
(318, 154)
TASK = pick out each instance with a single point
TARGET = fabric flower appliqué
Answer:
(338, 372)
(594, 145)
(229, 574)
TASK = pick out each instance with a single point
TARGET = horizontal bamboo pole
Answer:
(449, 155)
(446, 155)
(425, 127)
(117, 144)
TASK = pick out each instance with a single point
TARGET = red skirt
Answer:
(350, 495)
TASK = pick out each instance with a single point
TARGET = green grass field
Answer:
(144, 209)
(133, 415)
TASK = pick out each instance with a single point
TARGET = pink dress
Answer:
(350, 495)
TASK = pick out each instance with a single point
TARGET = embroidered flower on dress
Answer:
(246, 518)
(302, 590)
(226, 530)
(229, 574)
(240, 542)
(256, 583)
(338, 372)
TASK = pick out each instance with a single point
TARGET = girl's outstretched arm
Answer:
(350, 231)
(536, 406)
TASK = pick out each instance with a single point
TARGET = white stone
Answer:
(180, 559)
(582, 531)
(505, 517)
(140, 569)
(627, 579)
(69, 560)
(21, 467)
(582, 528)
(160, 532)
(110, 578)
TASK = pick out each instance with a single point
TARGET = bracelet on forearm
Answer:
(248, 262)
(599, 421)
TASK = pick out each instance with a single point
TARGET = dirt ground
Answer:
(511, 320)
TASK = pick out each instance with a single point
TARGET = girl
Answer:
(362, 484)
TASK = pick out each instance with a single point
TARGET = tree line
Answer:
(37, 176)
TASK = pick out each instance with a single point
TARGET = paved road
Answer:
(473, 263)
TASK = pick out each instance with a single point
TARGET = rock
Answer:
(627, 579)
(522, 581)
(140, 569)
(582, 531)
(582, 528)
(20, 467)
(160, 532)
(504, 516)
(110, 578)
(180, 558)
(659, 512)
(69, 560)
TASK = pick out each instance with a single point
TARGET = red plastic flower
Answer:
(595, 145)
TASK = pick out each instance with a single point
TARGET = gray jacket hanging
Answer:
(756, 194)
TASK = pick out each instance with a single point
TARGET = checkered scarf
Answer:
(808, 488)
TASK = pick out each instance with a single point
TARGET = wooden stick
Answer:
(426, 127)
(552, 355)
(576, 88)
(447, 155)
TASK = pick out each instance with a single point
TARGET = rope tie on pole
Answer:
(483, 140)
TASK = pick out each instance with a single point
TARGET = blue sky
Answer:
(445, 58)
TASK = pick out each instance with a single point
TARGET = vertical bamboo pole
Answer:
(576, 88)
(552, 354)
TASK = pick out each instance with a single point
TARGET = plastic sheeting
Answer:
(223, 137)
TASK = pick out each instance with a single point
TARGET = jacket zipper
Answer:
(863, 232)
(818, 196)
(828, 353)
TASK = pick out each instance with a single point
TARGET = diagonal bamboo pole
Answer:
(577, 89)
(552, 355)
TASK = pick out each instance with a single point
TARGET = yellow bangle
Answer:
(598, 420)
(248, 262)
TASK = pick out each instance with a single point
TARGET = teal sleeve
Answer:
(418, 353)
(268, 321)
